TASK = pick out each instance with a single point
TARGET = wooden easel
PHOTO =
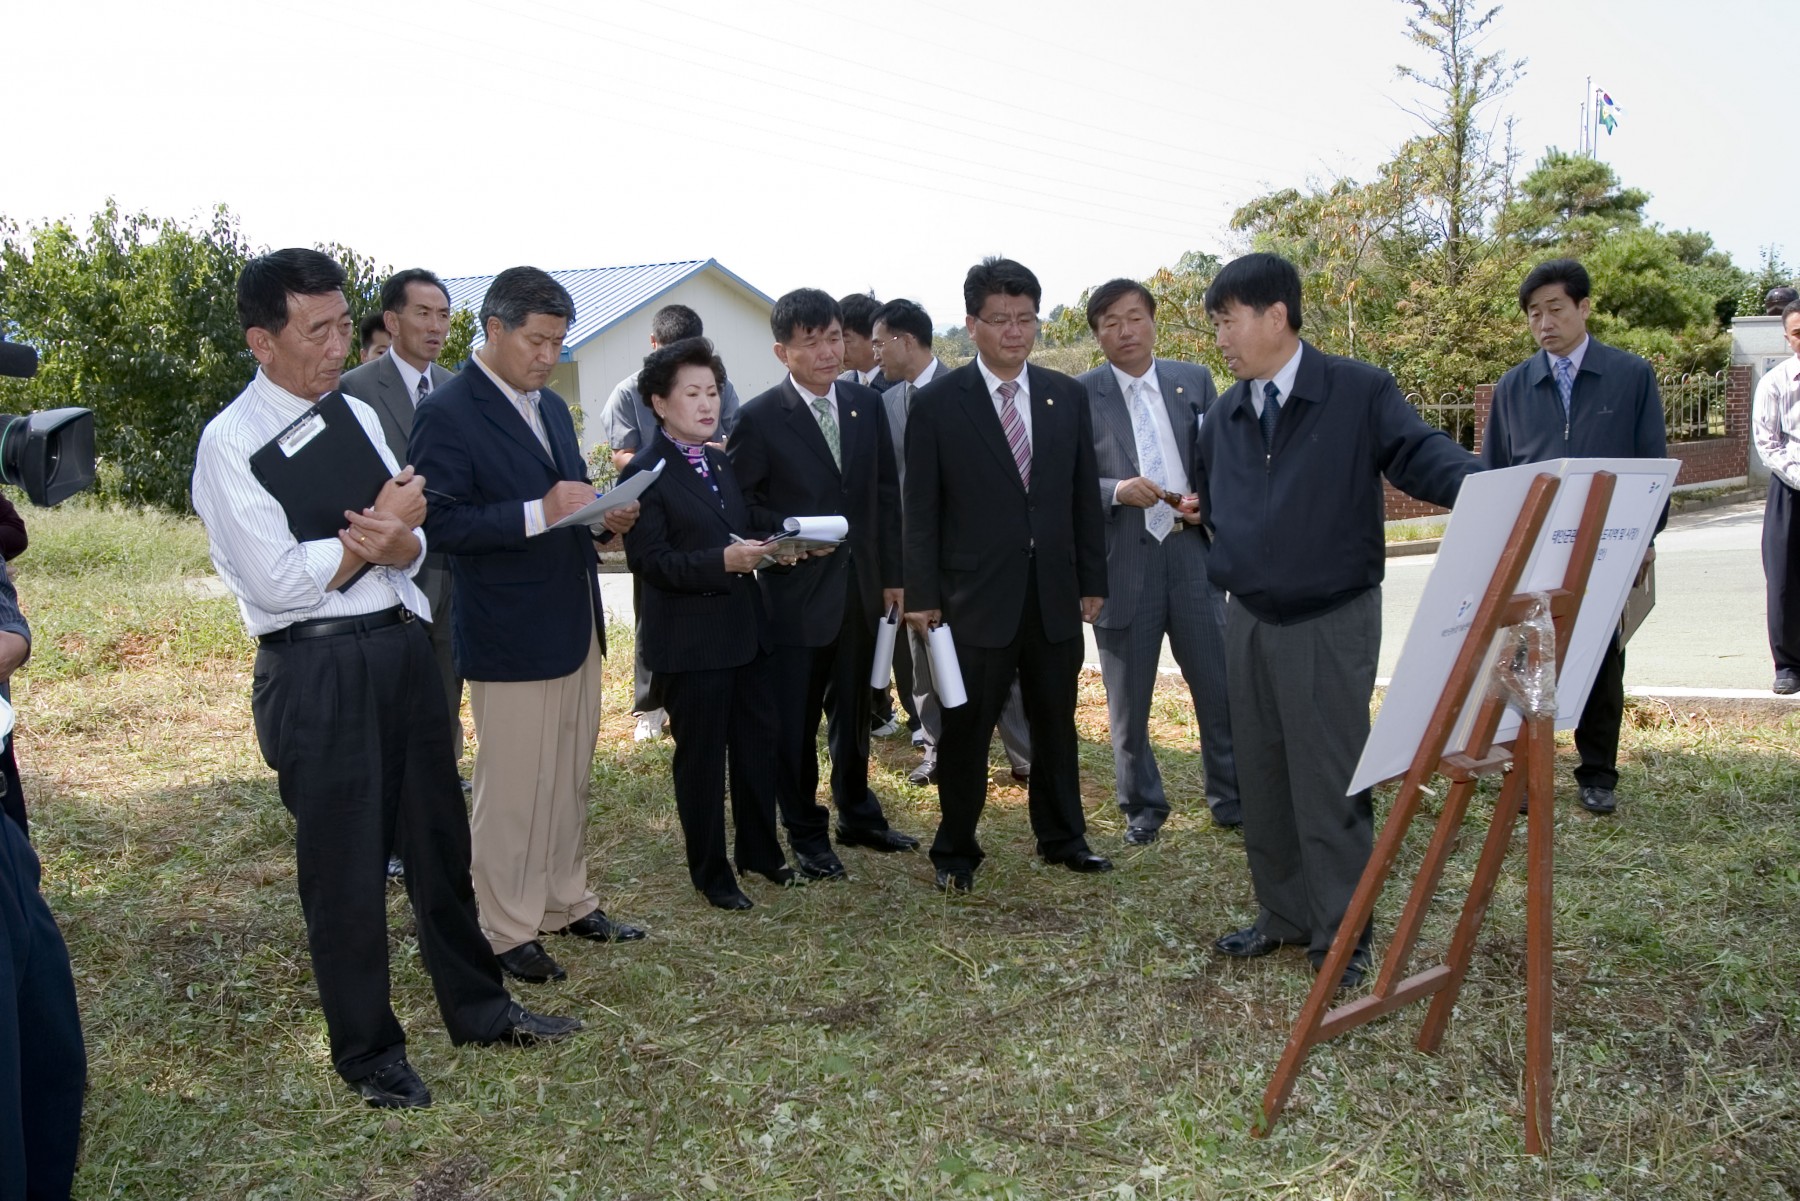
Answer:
(1530, 759)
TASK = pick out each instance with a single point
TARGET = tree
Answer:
(136, 320)
(459, 343)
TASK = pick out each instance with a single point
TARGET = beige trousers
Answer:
(534, 753)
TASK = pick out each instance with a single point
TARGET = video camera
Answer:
(49, 454)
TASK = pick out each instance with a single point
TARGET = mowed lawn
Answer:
(1052, 1036)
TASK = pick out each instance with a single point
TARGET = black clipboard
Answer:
(320, 466)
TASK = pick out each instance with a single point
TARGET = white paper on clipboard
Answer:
(613, 498)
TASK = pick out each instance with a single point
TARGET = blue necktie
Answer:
(1270, 411)
(1565, 382)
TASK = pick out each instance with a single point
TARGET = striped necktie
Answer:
(829, 427)
(1014, 427)
(424, 387)
(1565, 381)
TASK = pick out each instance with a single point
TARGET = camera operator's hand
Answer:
(403, 497)
(379, 538)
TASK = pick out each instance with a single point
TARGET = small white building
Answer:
(611, 333)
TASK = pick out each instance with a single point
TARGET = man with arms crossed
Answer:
(348, 709)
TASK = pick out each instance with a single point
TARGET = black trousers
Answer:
(646, 690)
(830, 682)
(355, 728)
(1781, 570)
(719, 718)
(438, 629)
(1048, 673)
(1597, 733)
(43, 1065)
(12, 800)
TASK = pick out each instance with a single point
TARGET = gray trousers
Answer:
(1015, 733)
(1175, 598)
(1299, 718)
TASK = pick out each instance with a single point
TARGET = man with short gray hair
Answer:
(527, 630)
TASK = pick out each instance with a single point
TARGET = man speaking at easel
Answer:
(1289, 465)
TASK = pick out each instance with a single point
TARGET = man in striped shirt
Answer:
(348, 708)
(1775, 428)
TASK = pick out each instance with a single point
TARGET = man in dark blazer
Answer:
(416, 310)
(503, 465)
(817, 445)
(1288, 469)
(1004, 545)
(1578, 399)
(903, 335)
(1146, 413)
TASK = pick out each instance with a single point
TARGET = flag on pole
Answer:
(1607, 113)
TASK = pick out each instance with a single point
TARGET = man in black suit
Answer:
(529, 631)
(817, 445)
(1288, 468)
(862, 358)
(1004, 545)
(415, 310)
(1578, 399)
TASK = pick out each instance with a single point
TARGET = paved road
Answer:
(1707, 629)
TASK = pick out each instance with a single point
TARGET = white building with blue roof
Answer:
(611, 333)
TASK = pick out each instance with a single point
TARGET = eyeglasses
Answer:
(889, 340)
(1006, 322)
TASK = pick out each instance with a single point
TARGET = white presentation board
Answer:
(1486, 509)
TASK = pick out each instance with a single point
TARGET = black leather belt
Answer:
(327, 627)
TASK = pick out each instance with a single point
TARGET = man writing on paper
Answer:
(1288, 471)
(528, 628)
(817, 445)
(348, 709)
(1578, 399)
(1004, 545)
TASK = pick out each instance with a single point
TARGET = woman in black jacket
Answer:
(702, 626)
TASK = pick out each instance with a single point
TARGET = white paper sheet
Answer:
(946, 672)
(613, 498)
(885, 631)
(1486, 509)
(817, 529)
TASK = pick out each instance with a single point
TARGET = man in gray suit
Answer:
(901, 332)
(416, 310)
(1146, 413)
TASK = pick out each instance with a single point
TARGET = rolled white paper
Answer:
(883, 666)
(817, 529)
(946, 672)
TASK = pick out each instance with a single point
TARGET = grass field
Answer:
(1052, 1036)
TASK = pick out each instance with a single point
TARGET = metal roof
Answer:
(604, 296)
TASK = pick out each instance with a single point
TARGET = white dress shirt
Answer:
(1283, 381)
(276, 579)
(1159, 417)
(1775, 420)
(810, 398)
(1021, 398)
(527, 405)
(1574, 356)
(929, 374)
(409, 375)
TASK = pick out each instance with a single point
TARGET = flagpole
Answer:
(1587, 140)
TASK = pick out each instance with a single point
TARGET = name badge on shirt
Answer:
(297, 435)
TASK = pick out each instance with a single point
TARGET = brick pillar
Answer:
(1737, 416)
(1484, 404)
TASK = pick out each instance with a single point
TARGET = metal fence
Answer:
(1452, 412)
(1694, 406)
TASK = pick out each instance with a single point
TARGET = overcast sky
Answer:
(837, 145)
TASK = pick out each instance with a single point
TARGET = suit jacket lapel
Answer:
(679, 474)
(390, 393)
(505, 417)
(1115, 410)
(978, 407)
(805, 424)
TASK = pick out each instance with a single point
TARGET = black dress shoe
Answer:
(597, 927)
(1141, 836)
(1787, 682)
(531, 963)
(822, 865)
(396, 1086)
(524, 1027)
(1248, 943)
(784, 875)
(1082, 861)
(396, 870)
(1022, 775)
(1353, 974)
(925, 773)
(729, 900)
(1227, 815)
(876, 840)
(957, 880)
(1596, 799)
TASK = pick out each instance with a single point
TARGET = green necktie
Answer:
(828, 423)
